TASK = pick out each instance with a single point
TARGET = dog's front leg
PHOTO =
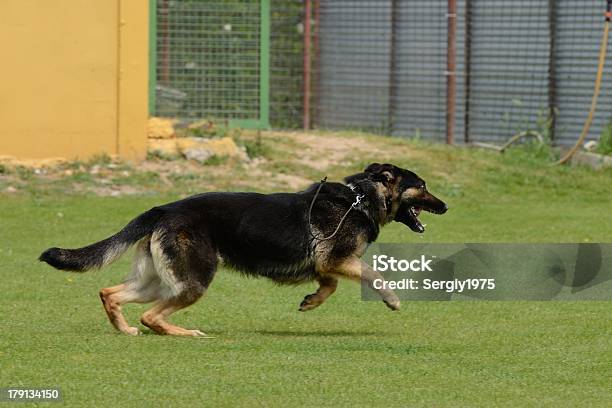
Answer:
(354, 268)
(327, 286)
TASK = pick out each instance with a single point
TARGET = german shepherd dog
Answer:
(317, 234)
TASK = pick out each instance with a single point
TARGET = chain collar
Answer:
(358, 203)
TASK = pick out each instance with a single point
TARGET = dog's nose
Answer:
(444, 209)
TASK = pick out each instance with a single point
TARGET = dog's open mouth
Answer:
(416, 225)
(408, 215)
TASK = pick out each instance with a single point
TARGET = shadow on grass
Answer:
(152, 334)
(319, 333)
(272, 333)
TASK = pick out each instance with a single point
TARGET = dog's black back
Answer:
(268, 234)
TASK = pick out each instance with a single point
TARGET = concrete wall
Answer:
(73, 81)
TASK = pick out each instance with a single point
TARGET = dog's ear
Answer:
(381, 172)
(373, 168)
(356, 177)
(384, 173)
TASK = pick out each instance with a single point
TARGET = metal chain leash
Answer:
(357, 201)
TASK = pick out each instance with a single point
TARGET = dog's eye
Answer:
(422, 187)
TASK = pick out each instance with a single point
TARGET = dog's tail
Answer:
(106, 251)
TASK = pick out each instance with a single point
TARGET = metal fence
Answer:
(212, 60)
(475, 70)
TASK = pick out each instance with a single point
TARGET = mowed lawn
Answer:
(347, 352)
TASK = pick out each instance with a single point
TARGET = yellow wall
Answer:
(73, 78)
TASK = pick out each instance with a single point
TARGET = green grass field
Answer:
(347, 352)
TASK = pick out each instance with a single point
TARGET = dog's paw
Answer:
(308, 303)
(198, 333)
(132, 331)
(393, 304)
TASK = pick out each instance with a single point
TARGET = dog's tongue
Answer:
(407, 216)
(420, 227)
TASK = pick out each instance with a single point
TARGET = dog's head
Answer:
(404, 192)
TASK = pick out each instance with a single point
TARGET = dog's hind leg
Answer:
(155, 318)
(327, 286)
(186, 265)
(112, 307)
(142, 286)
(112, 300)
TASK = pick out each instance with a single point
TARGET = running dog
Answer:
(318, 234)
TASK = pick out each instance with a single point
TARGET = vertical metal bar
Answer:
(264, 65)
(152, 55)
(468, 70)
(317, 61)
(306, 84)
(451, 64)
(392, 98)
(552, 64)
(165, 51)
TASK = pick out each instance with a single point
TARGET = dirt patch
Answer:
(293, 182)
(322, 151)
(114, 191)
(281, 161)
(279, 181)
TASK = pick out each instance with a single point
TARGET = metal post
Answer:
(392, 98)
(451, 63)
(468, 70)
(306, 23)
(317, 61)
(552, 62)
(264, 65)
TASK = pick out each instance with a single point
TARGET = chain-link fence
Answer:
(473, 70)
